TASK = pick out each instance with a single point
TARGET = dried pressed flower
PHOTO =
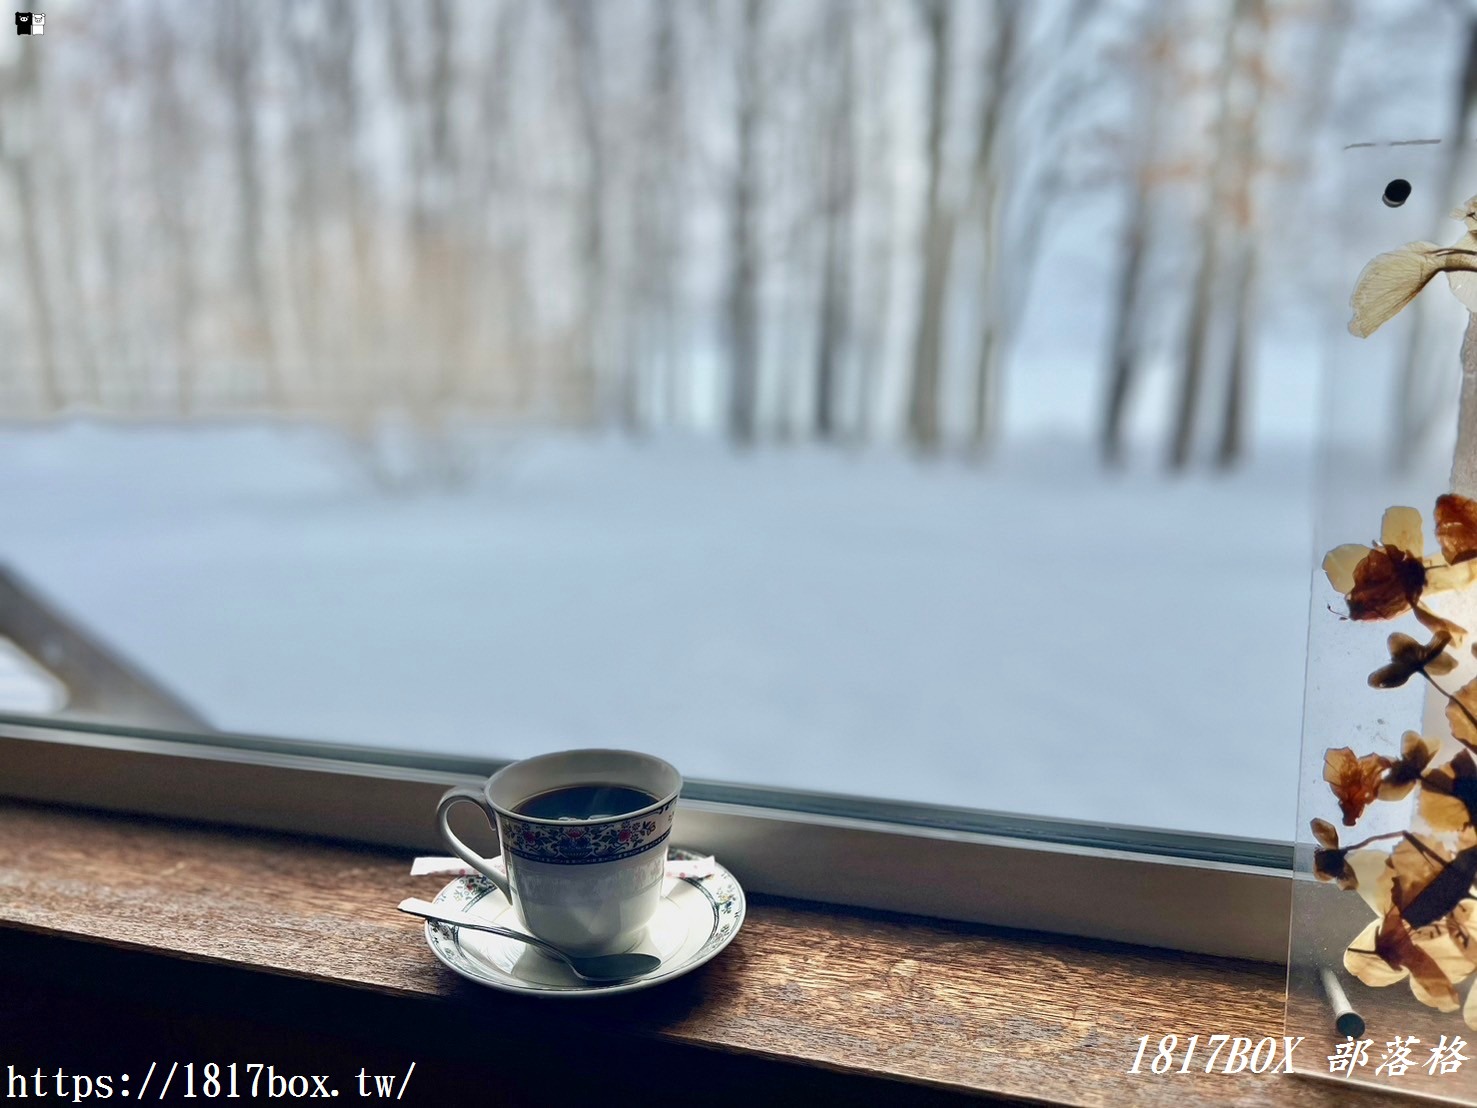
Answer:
(1456, 527)
(1425, 924)
(1416, 753)
(1409, 657)
(1386, 952)
(1411, 883)
(1379, 582)
(1391, 577)
(1355, 781)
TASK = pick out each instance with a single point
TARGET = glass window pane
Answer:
(908, 401)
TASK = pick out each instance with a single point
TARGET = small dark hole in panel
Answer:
(1397, 192)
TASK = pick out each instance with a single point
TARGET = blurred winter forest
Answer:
(801, 220)
(620, 289)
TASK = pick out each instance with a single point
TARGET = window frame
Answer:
(1187, 892)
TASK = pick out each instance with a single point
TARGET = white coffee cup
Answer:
(589, 886)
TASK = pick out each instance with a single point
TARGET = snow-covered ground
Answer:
(1031, 636)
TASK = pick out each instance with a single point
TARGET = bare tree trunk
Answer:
(879, 193)
(448, 280)
(667, 91)
(1198, 327)
(1239, 218)
(23, 93)
(402, 35)
(591, 390)
(83, 327)
(119, 336)
(331, 326)
(237, 51)
(308, 336)
(658, 232)
(171, 141)
(22, 176)
(838, 210)
(1126, 341)
(1233, 412)
(442, 85)
(938, 240)
(1031, 100)
(874, 332)
(1192, 364)
(501, 169)
(1124, 349)
(1001, 66)
(364, 323)
(742, 307)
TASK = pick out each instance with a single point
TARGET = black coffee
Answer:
(585, 802)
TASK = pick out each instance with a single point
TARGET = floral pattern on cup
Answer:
(582, 843)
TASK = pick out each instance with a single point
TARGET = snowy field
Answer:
(1032, 636)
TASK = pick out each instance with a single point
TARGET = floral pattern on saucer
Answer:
(721, 891)
(575, 844)
(728, 906)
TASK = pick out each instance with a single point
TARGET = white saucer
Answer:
(698, 917)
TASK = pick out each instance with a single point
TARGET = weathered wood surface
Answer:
(1005, 1014)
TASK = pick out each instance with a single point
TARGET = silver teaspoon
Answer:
(602, 968)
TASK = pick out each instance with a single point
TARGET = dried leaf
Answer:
(1456, 527)
(1388, 283)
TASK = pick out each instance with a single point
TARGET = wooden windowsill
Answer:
(886, 998)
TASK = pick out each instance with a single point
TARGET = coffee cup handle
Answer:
(461, 849)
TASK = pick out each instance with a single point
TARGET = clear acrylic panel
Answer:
(1383, 949)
